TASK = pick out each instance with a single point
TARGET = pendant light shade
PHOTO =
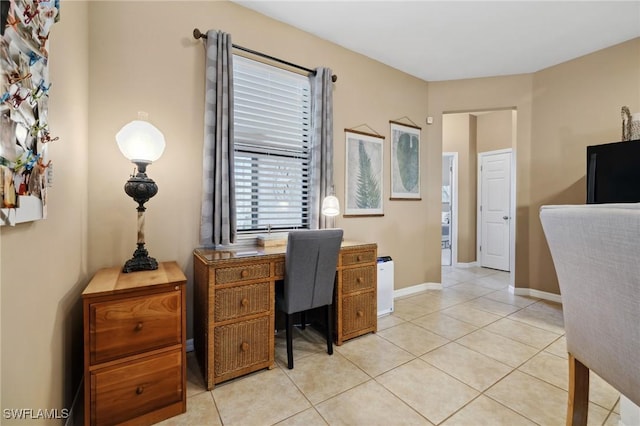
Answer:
(330, 206)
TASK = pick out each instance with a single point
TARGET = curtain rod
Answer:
(198, 34)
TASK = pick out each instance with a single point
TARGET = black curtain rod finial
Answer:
(198, 34)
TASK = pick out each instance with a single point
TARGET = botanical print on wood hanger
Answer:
(363, 177)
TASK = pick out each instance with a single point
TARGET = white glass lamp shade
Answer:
(330, 206)
(140, 141)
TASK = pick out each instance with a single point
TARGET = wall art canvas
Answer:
(24, 92)
(363, 177)
(405, 162)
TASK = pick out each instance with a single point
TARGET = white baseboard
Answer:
(552, 297)
(407, 291)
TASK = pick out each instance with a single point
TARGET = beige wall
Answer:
(43, 267)
(115, 58)
(576, 104)
(494, 93)
(495, 131)
(167, 82)
(459, 135)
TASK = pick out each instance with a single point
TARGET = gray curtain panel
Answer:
(321, 143)
(218, 219)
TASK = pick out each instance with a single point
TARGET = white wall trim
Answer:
(552, 297)
(407, 291)
(453, 230)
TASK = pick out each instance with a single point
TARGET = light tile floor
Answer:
(469, 354)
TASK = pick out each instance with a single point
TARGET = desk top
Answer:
(210, 255)
(113, 280)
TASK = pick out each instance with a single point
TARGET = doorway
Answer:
(449, 208)
(468, 134)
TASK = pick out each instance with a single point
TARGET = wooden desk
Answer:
(234, 305)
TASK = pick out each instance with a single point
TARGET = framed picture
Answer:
(405, 162)
(363, 176)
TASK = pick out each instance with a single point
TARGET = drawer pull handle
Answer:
(244, 346)
(244, 302)
(139, 390)
(358, 258)
(138, 326)
(244, 273)
(359, 314)
(359, 280)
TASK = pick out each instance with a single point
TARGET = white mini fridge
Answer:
(385, 285)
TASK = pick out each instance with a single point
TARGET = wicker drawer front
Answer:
(242, 273)
(125, 327)
(125, 392)
(356, 279)
(359, 312)
(279, 269)
(354, 258)
(240, 345)
(242, 300)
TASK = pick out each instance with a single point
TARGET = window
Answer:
(272, 113)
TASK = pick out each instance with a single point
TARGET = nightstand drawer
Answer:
(359, 313)
(125, 392)
(242, 273)
(356, 279)
(242, 300)
(129, 326)
(241, 345)
(354, 258)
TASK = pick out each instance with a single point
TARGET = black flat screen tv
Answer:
(613, 173)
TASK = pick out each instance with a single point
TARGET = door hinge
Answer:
(480, 208)
(480, 247)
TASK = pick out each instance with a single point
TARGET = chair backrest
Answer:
(596, 253)
(310, 268)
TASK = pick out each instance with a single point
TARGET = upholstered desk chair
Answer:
(310, 270)
(596, 253)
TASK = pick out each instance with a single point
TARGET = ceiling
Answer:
(451, 40)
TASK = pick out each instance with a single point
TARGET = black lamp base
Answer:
(140, 261)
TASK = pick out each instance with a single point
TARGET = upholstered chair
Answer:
(310, 271)
(596, 253)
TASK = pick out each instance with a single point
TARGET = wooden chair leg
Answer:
(329, 325)
(289, 333)
(578, 403)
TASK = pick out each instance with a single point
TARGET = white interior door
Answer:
(494, 209)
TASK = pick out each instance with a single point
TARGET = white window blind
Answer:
(272, 112)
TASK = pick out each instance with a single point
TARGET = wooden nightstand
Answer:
(134, 345)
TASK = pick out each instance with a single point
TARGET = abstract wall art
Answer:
(24, 93)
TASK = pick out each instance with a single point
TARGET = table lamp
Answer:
(142, 143)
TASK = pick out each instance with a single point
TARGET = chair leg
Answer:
(329, 325)
(303, 320)
(578, 403)
(289, 333)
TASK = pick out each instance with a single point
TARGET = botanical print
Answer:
(364, 161)
(405, 162)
